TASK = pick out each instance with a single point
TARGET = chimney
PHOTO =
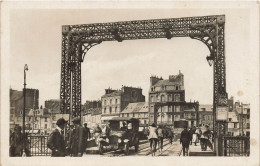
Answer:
(153, 80)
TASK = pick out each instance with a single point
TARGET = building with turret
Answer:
(167, 105)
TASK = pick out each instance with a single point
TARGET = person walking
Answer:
(191, 133)
(16, 143)
(78, 140)
(153, 137)
(97, 132)
(160, 138)
(204, 138)
(87, 131)
(170, 135)
(185, 140)
(56, 140)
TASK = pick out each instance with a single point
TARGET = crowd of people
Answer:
(195, 135)
(76, 139)
(75, 142)
(156, 136)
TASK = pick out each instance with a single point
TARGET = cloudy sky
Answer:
(35, 39)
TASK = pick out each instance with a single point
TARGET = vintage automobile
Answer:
(121, 134)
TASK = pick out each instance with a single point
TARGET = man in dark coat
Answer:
(87, 130)
(185, 140)
(56, 140)
(78, 140)
(16, 143)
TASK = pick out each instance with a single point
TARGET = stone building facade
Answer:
(114, 101)
(167, 103)
(139, 111)
(17, 105)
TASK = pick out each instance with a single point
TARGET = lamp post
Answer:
(210, 60)
(24, 104)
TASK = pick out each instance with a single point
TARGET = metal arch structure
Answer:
(78, 39)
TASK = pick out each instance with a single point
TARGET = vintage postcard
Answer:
(127, 83)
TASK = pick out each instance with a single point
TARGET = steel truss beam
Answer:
(78, 39)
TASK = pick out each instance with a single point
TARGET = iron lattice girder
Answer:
(78, 39)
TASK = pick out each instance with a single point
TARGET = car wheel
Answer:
(137, 146)
(100, 149)
(126, 149)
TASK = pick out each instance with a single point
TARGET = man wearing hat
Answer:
(78, 140)
(56, 140)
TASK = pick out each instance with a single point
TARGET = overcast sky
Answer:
(36, 41)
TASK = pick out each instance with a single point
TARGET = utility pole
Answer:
(24, 105)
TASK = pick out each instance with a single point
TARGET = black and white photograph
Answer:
(127, 83)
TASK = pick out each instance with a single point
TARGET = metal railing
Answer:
(38, 145)
(236, 146)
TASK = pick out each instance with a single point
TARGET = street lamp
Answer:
(24, 96)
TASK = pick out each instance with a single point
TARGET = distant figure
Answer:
(97, 131)
(87, 131)
(191, 133)
(124, 126)
(185, 140)
(170, 135)
(204, 137)
(153, 137)
(56, 140)
(16, 143)
(79, 139)
(160, 137)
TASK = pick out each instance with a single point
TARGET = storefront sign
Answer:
(222, 113)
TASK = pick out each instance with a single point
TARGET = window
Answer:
(46, 119)
(248, 116)
(110, 101)
(165, 108)
(35, 118)
(248, 111)
(133, 114)
(176, 117)
(177, 87)
(54, 118)
(45, 126)
(162, 98)
(115, 109)
(177, 108)
(104, 110)
(158, 98)
(177, 97)
(229, 119)
(170, 108)
(35, 126)
(203, 117)
(151, 98)
(110, 110)
(235, 125)
(29, 118)
(116, 101)
(248, 125)
(169, 97)
(105, 102)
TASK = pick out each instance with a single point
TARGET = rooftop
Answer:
(136, 107)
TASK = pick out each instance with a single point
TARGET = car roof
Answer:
(123, 119)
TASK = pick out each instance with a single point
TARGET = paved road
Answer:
(144, 150)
